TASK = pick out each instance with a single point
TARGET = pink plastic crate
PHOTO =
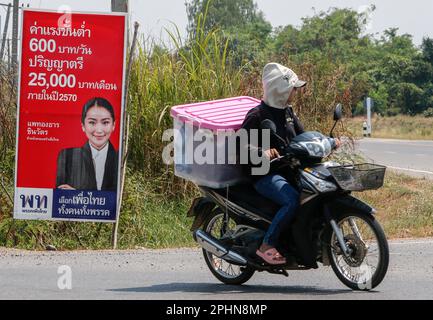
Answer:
(215, 117)
(219, 114)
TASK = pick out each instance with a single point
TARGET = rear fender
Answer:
(200, 209)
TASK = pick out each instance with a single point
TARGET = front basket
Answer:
(359, 177)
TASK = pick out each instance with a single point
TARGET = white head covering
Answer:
(278, 83)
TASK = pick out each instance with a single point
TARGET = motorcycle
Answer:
(331, 227)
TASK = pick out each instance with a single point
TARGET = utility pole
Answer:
(119, 5)
(15, 36)
(9, 56)
(5, 33)
(122, 6)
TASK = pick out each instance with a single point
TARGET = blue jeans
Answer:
(277, 189)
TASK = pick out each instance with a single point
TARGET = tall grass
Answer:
(7, 140)
(327, 86)
(7, 116)
(198, 70)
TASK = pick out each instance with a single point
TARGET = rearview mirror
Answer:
(338, 113)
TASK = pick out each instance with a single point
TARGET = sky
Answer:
(414, 17)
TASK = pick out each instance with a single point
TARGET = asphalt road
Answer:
(180, 274)
(411, 157)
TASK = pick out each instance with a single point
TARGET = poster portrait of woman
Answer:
(93, 166)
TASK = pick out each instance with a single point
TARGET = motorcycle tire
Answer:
(361, 250)
(216, 265)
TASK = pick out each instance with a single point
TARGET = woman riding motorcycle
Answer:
(280, 86)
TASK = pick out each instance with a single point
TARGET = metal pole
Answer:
(15, 36)
(125, 134)
(119, 5)
(369, 105)
(9, 57)
(122, 6)
(5, 33)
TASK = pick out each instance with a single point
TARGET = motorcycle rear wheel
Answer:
(224, 271)
(366, 267)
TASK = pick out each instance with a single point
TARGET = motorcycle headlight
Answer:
(318, 149)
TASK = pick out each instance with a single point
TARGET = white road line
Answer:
(418, 143)
(409, 242)
(405, 241)
(411, 170)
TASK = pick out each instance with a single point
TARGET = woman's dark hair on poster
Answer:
(99, 102)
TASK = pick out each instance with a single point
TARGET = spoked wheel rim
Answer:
(220, 266)
(363, 263)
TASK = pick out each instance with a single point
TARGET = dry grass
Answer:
(404, 204)
(399, 127)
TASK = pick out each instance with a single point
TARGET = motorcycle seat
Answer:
(247, 197)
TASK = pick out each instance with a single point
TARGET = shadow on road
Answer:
(208, 288)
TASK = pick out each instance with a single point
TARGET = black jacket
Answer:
(75, 168)
(287, 123)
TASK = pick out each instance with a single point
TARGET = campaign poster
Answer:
(70, 111)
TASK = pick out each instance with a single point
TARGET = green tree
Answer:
(242, 23)
(336, 33)
(427, 50)
(223, 14)
(335, 37)
(392, 70)
(407, 97)
(287, 41)
(418, 71)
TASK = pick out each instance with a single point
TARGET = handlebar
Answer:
(277, 159)
(294, 153)
(280, 158)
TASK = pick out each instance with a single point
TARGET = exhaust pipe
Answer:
(214, 246)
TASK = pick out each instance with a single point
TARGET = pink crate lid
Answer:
(219, 114)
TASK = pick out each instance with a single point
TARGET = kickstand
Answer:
(282, 272)
(285, 273)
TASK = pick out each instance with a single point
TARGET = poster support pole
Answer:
(125, 135)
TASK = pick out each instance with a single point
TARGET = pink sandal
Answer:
(272, 257)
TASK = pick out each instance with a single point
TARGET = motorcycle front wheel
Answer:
(224, 271)
(367, 264)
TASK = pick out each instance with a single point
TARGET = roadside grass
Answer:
(151, 220)
(405, 206)
(398, 127)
